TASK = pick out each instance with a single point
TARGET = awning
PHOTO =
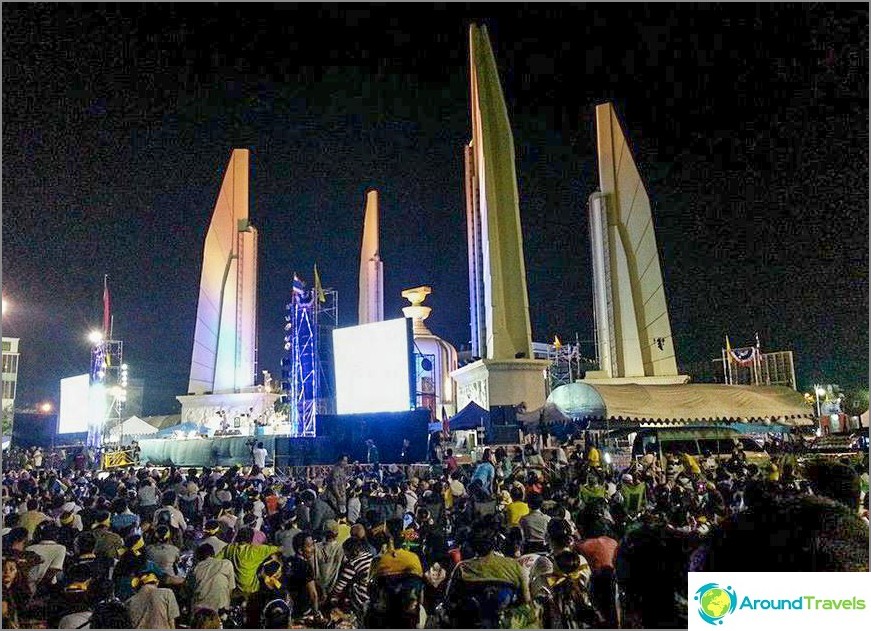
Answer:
(470, 417)
(654, 405)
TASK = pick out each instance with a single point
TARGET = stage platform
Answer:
(336, 435)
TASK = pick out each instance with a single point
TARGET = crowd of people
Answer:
(510, 541)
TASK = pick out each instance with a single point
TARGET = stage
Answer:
(336, 435)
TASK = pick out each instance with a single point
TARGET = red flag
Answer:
(106, 306)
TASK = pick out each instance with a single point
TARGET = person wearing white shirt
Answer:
(259, 454)
(52, 553)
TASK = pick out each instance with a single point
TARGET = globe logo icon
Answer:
(715, 602)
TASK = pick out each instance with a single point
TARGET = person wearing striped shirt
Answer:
(352, 585)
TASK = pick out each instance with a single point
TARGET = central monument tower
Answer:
(504, 372)
(221, 392)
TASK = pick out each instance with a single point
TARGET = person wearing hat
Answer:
(152, 607)
(328, 556)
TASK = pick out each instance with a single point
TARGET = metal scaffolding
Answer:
(303, 376)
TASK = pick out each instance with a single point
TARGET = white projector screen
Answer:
(373, 367)
(75, 406)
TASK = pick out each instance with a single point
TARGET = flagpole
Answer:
(725, 374)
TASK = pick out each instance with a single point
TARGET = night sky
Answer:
(749, 124)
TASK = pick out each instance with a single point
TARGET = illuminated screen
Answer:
(373, 367)
(75, 405)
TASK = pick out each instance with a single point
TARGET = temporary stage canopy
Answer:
(681, 404)
(133, 426)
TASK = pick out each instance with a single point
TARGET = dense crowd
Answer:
(511, 541)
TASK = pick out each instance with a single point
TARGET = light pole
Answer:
(819, 391)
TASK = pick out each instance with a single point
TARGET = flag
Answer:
(298, 285)
(106, 306)
(728, 349)
(446, 425)
(322, 297)
(556, 343)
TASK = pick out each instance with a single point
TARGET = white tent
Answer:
(133, 426)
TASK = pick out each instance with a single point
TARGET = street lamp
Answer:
(819, 391)
(95, 337)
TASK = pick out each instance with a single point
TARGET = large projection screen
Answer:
(373, 365)
(75, 406)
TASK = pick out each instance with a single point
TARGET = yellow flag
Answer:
(322, 297)
(728, 349)
(556, 343)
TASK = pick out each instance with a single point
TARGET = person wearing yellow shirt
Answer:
(246, 557)
(516, 509)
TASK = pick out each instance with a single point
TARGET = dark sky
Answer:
(749, 124)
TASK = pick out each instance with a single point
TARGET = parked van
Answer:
(696, 441)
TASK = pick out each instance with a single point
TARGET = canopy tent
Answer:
(470, 417)
(133, 426)
(683, 403)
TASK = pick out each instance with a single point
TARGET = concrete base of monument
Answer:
(601, 378)
(492, 382)
(229, 411)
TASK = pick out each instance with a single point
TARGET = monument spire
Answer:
(497, 271)
(631, 313)
(223, 358)
(371, 301)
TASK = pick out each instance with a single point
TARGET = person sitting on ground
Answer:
(109, 544)
(212, 581)
(152, 607)
(98, 568)
(517, 508)
(53, 555)
(534, 525)
(163, 553)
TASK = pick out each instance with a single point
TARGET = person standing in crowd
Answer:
(328, 556)
(372, 455)
(259, 455)
(405, 452)
(337, 485)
